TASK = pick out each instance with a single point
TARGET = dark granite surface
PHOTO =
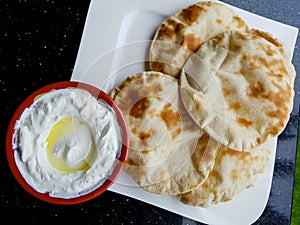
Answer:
(39, 44)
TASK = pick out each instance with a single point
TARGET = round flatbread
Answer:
(165, 156)
(238, 88)
(183, 32)
(233, 172)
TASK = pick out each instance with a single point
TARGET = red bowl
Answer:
(27, 103)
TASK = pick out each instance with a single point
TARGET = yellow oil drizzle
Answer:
(64, 127)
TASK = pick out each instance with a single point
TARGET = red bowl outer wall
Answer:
(97, 93)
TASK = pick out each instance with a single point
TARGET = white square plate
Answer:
(115, 44)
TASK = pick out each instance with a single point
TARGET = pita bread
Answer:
(183, 32)
(238, 88)
(163, 137)
(233, 172)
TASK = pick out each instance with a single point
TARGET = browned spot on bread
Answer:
(185, 198)
(226, 198)
(151, 78)
(207, 3)
(235, 106)
(133, 130)
(219, 21)
(281, 115)
(266, 48)
(234, 175)
(165, 32)
(226, 91)
(176, 133)
(241, 36)
(283, 94)
(279, 69)
(191, 13)
(158, 66)
(205, 186)
(215, 175)
(170, 117)
(255, 90)
(278, 98)
(122, 85)
(256, 158)
(143, 143)
(152, 90)
(282, 68)
(242, 156)
(243, 122)
(191, 42)
(274, 62)
(218, 40)
(152, 112)
(278, 76)
(258, 141)
(240, 23)
(144, 135)
(258, 61)
(234, 48)
(132, 162)
(145, 152)
(138, 108)
(176, 26)
(267, 37)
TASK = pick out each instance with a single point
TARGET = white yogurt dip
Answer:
(66, 143)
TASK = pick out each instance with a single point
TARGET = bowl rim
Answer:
(100, 95)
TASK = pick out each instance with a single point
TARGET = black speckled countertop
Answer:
(39, 44)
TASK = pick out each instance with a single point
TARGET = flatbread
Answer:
(238, 88)
(233, 172)
(183, 32)
(163, 137)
